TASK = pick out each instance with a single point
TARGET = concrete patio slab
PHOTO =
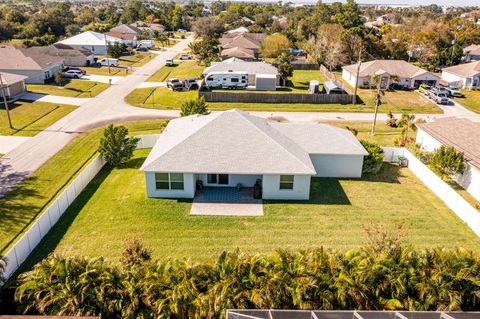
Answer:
(227, 209)
(9, 143)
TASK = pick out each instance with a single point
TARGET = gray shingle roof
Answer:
(393, 67)
(464, 70)
(235, 142)
(239, 65)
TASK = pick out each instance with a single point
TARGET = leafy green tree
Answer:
(195, 106)
(207, 27)
(372, 163)
(447, 161)
(274, 45)
(58, 77)
(115, 50)
(177, 17)
(116, 147)
(285, 67)
(407, 123)
(447, 57)
(206, 50)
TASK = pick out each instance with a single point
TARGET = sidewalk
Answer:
(77, 101)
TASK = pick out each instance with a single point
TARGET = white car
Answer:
(108, 62)
(185, 57)
(169, 62)
(72, 74)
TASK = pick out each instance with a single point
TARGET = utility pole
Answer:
(377, 104)
(356, 78)
(5, 102)
(106, 47)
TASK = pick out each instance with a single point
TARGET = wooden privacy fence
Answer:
(286, 98)
(333, 78)
(32, 237)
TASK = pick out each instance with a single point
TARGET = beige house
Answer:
(13, 85)
(38, 68)
(70, 55)
(463, 75)
(471, 53)
(389, 71)
(241, 45)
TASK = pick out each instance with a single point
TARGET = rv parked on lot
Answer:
(226, 80)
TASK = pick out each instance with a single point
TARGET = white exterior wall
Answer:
(349, 166)
(300, 191)
(233, 179)
(469, 180)
(424, 77)
(187, 192)
(79, 60)
(452, 78)
(350, 78)
(35, 76)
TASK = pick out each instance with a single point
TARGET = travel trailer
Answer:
(226, 80)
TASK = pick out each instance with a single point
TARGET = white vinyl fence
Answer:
(25, 245)
(391, 154)
(449, 196)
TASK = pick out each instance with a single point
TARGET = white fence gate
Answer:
(25, 245)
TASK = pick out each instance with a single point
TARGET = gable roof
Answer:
(89, 38)
(236, 142)
(126, 29)
(9, 78)
(57, 50)
(25, 59)
(239, 65)
(473, 49)
(123, 36)
(462, 134)
(242, 40)
(464, 70)
(393, 67)
(237, 52)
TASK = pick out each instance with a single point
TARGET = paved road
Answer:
(107, 107)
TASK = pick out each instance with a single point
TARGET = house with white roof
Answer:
(95, 42)
(405, 74)
(236, 149)
(471, 53)
(463, 75)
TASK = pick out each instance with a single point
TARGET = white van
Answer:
(108, 62)
(148, 44)
(226, 80)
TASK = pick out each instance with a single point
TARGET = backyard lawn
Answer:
(70, 88)
(103, 70)
(21, 206)
(114, 208)
(471, 100)
(181, 70)
(29, 118)
(300, 80)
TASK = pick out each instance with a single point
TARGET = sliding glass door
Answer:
(217, 179)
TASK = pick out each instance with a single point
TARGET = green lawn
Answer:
(163, 98)
(136, 60)
(181, 70)
(114, 208)
(384, 134)
(29, 118)
(103, 70)
(471, 100)
(21, 206)
(70, 88)
(300, 80)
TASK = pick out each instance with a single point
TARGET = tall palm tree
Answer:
(407, 122)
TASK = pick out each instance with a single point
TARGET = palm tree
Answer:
(407, 122)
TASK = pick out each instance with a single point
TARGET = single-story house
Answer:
(238, 30)
(464, 136)
(95, 42)
(253, 69)
(36, 67)
(70, 55)
(471, 53)
(127, 29)
(407, 74)
(241, 53)
(463, 75)
(225, 149)
(126, 38)
(13, 85)
(243, 40)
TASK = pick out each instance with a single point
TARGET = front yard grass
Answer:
(70, 88)
(135, 60)
(29, 118)
(114, 208)
(161, 98)
(181, 70)
(20, 207)
(103, 70)
(471, 100)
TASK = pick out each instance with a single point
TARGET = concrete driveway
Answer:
(78, 101)
(9, 143)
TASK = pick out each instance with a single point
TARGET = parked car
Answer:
(190, 84)
(443, 89)
(169, 62)
(226, 80)
(142, 49)
(455, 92)
(174, 84)
(108, 62)
(72, 74)
(439, 97)
(146, 44)
(424, 89)
(65, 69)
(185, 57)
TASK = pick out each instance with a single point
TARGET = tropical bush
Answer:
(373, 162)
(384, 274)
(446, 161)
(195, 106)
(116, 147)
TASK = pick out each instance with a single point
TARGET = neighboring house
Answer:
(70, 55)
(406, 74)
(127, 29)
(254, 69)
(463, 75)
(464, 136)
(244, 41)
(238, 30)
(37, 67)
(95, 42)
(13, 85)
(224, 149)
(127, 39)
(471, 53)
(236, 52)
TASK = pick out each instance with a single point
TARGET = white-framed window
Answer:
(171, 181)
(286, 182)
